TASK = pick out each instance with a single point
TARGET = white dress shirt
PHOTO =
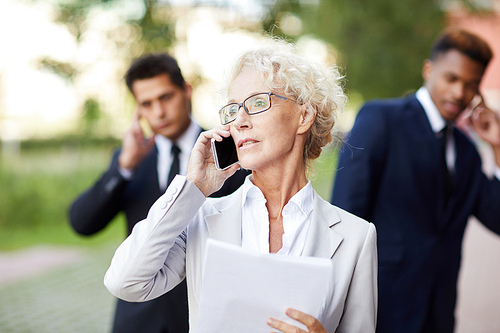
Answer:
(437, 124)
(255, 220)
(185, 142)
(164, 145)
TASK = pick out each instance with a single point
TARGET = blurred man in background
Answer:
(140, 172)
(406, 168)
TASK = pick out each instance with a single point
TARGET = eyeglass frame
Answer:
(242, 105)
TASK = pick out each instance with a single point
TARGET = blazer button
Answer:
(165, 202)
(172, 190)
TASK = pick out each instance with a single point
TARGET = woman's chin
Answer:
(246, 166)
(248, 163)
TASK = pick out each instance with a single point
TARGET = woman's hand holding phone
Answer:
(202, 170)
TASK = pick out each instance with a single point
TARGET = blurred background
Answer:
(64, 106)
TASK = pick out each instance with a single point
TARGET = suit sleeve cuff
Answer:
(127, 174)
(496, 172)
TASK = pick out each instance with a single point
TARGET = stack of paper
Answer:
(242, 289)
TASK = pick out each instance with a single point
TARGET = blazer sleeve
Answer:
(361, 161)
(97, 206)
(360, 309)
(487, 208)
(151, 261)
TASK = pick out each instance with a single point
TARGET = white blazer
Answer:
(170, 243)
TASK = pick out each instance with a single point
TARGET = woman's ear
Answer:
(307, 117)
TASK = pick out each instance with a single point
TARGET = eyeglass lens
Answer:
(253, 104)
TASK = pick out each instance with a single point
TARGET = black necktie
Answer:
(175, 167)
(448, 182)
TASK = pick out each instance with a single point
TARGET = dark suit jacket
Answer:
(96, 207)
(389, 174)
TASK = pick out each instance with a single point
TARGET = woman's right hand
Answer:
(202, 170)
(313, 325)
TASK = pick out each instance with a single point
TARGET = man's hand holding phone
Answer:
(134, 146)
(202, 170)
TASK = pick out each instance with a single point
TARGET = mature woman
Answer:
(281, 110)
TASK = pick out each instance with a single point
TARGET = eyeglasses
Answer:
(253, 104)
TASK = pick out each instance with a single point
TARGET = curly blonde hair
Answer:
(308, 82)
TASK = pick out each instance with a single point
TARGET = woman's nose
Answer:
(242, 118)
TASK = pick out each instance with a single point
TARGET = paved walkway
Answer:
(55, 289)
(478, 308)
(60, 289)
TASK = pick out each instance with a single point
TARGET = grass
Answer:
(37, 187)
(38, 184)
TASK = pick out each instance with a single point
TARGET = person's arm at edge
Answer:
(486, 124)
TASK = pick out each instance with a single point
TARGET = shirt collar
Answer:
(251, 191)
(303, 199)
(435, 119)
(185, 142)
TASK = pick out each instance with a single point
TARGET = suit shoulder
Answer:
(353, 220)
(347, 220)
(389, 105)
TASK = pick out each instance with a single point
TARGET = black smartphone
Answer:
(224, 152)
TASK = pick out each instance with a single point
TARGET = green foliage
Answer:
(323, 171)
(73, 14)
(382, 44)
(68, 143)
(37, 188)
(157, 29)
(63, 69)
(91, 114)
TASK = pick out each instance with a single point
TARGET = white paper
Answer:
(242, 289)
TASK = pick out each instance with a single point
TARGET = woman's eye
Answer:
(259, 103)
(233, 110)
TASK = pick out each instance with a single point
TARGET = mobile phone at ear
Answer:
(224, 152)
(146, 129)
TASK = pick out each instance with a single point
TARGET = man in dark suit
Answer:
(407, 169)
(140, 172)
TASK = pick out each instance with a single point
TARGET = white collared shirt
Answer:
(185, 142)
(255, 220)
(437, 124)
(164, 145)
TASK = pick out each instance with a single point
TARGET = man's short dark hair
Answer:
(465, 42)
(152, 65)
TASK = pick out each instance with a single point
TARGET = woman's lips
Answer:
(246, 142)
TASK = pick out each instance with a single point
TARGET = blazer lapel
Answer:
(321, 240)
(226, 225)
